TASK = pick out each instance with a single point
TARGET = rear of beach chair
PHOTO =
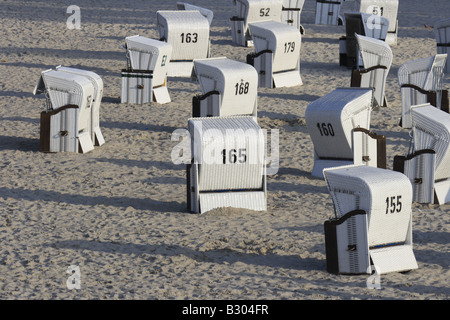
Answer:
(327, 12)
(228, 166)
(277, 54)
(145, 78)
(442, 34)
(188, 33)
(208, 14)
(377, 60)
(363, 24)
(372, 226)
(382, 8)
(249, 11)
(66, 124)
(331, 120)
(292, 10)
(97, 82)
(421, 81)
(229, 88)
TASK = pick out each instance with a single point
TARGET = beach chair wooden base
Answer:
(137, 88)
(59, 132)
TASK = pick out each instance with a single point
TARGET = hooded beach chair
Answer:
(208, 14)
(327, 12)
(145, 78)
(97, 82)
(331, 120)
(442, 34)
(363, 24)
(292, 10)
(228, 166)
(428, 166)
(421, 81)
(249, 11)
(376, 63)
(67, 121)
(188, 33)
(229, 88)
(382, 8)
(372, 223)
(277, 54)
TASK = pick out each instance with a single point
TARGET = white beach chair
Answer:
(442, 34)
(364, 24)
(331, 120)
(229, 88)
(145, 78)
(327, 12)
(377, 60)
(421, 81)
(188, 33)
(228, 166)
(428, 167)
(382, 8)
(97, 82)
(292, 10)
(66, 124)
(372, 227)
(208, 14)
(277, 54)
(249, 11)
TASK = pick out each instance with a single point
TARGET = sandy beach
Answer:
(119, 212)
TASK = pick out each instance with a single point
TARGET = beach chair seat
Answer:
(97, 82)
(229, 88)
(363, 24)
(431, 154)
(327, 12)
(228, 166)
(372, 222)
(382, 8)
(208, 14)
(277, 54)
(291, 13)
(250, 11)
(188, 33)
(145, 78)
(331, 120)
(421, 81)
(442, 34)
(377, 60)
(70, 98)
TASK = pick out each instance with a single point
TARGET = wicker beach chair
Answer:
(208, 14)
(331, 120)
(377, 60)
(372, 225)
(97, 82)
(67, 121)
(145, 78)
(363, 24)
(382, 8)
(442, 34)
(277, 54)
(421, 81)
(292, 10)
(228, 166)
(327, 12)
(229, 88)
(188, 33)
(428, 166)
(249, 11)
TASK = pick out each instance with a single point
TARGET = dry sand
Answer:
(119, 212)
